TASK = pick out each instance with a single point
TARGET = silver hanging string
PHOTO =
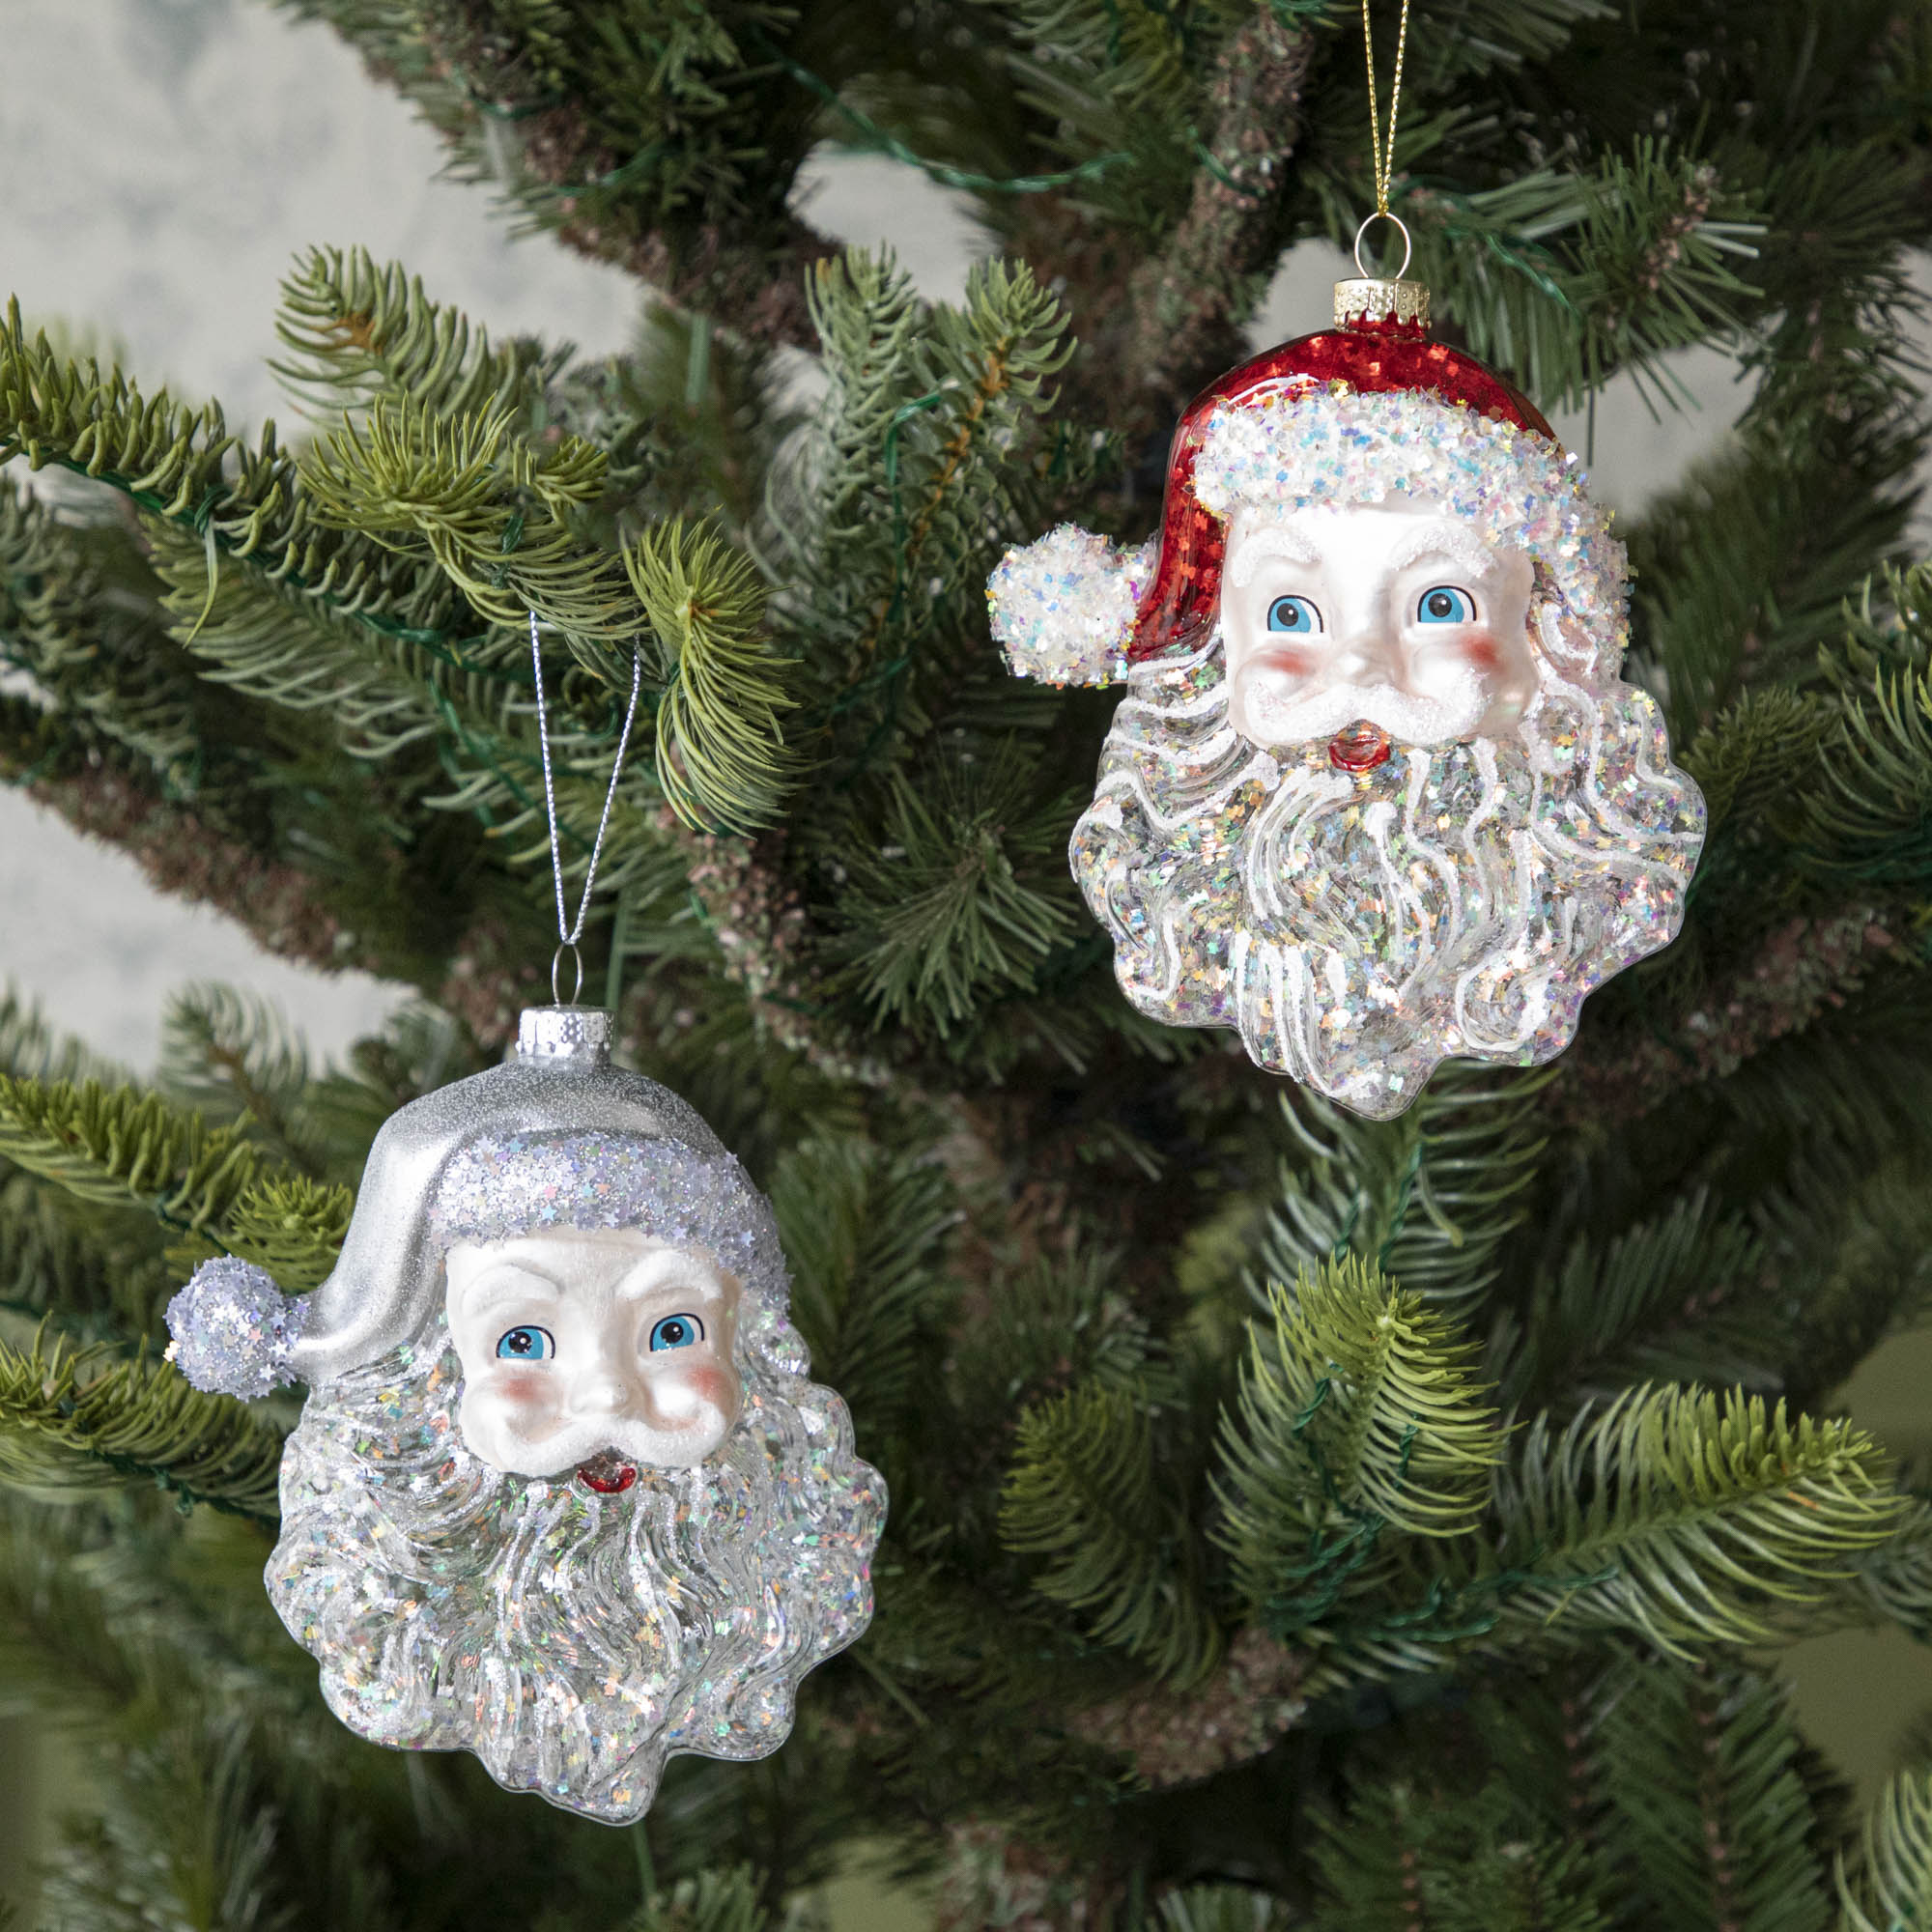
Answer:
(567, 932)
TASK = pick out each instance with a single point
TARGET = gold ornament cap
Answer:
(1372, 299)
(1380, 299)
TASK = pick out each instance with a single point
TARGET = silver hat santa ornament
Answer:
(562, 1492)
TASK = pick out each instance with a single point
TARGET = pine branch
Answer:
(712, 1903)
(1707, 1806)
(756, 919)
(1865, 817)
(1429, 1199)
(95, 654)
(1677, 1297)
(1742, 571)
(30, 1049)
(1086, 1492)
(1687, 1518)
(67, 1423)
(121, 1147)
(1187, 299)
(865, 1234)
(721, 750)
(1222, 1908)
(1457, 1859)
(186, 856)
(287, 909)
(357, 331)
(1178, 1737)
(1566, 279)
(88, 1276)
(894, 504)
(1358, 1416)
(630, 136)
(963, 896)
(231, 1057)
(1803, 971)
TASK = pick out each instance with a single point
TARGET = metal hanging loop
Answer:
(1362, 269)
(569, 931)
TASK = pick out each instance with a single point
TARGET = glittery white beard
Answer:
(572, 1640)
(1355, 930)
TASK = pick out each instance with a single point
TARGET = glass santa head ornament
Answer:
(1377, 794)
(562, 1492)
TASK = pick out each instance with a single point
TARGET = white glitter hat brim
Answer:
(1292, 448)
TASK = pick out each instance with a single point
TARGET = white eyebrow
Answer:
(1271, 540)
(1455, 541)
(671, 1267)
(507, 1281)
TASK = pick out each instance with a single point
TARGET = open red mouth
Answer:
(1359, 746)
(608, 1473)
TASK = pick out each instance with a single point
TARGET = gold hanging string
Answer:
(1383, 154)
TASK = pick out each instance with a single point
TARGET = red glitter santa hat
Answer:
(1369, 410)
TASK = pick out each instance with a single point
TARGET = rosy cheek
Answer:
(1286, 660)
(699, 1387)
(712, 1386)
(524, 1388)
(1480, 652)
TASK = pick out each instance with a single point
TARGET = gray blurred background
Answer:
(164, 159)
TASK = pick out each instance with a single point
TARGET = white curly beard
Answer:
(1358, 930)
(574, 1642)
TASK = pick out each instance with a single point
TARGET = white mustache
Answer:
(581, 1438)
(1407, 718)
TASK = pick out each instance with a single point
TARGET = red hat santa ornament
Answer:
(1377, 794)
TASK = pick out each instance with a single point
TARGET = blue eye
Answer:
(526, 1344)
(1293, 614)
(1445, 605)
(676, 1331)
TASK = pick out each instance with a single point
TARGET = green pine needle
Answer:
(865, 1234)
(358, 330)
(121, 1147)
(1709, 1810)
(713, 1901)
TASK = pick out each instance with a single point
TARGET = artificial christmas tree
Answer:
(1297, 1518)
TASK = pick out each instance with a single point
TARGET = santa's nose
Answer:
(602, 1395)
(1369, 655)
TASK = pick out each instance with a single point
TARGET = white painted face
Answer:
(578, 1341)
(1402, 615)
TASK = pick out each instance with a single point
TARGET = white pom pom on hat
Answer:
(1063, 607)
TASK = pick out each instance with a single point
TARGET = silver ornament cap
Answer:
(556, 1033)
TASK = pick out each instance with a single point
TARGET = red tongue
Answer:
(1359, 746)
(608, 1473)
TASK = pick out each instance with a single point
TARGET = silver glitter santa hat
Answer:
(556, 1136)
